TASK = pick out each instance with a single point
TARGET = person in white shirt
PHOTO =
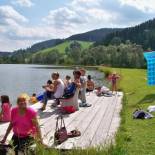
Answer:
(56, 92)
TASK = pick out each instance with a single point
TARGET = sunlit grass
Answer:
(135, 137)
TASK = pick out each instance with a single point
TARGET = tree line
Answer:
(122, 55)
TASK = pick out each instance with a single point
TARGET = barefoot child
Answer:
(114, 77)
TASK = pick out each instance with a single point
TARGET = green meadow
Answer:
(61, 47)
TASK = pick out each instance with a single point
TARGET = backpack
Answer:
(69, 90)
(139, 114)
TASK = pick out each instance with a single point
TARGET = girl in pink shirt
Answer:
(24, 124)
(5, 114)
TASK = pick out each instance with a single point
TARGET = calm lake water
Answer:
(17, 79)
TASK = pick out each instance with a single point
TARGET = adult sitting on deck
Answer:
(73, 101)
(54, 93)
(25, 126)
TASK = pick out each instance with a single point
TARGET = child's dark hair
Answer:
(34, 94)
(89, 77)
(5, 99)
(77, 72)
(68, 77)
(49, 82)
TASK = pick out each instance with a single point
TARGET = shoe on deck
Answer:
(85, 105)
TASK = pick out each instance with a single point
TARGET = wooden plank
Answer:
(68, 120)
(84, 122)
(86, 140)
(115, 121)
(101, 133)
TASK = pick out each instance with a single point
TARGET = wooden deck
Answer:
(98, 123)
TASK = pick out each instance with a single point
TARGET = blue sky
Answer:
(25, 22)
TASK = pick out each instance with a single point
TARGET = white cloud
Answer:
(17, 36)
(99, 14)
(7, 12)
(23, 3)
(147, 6)
(86, 3)
(9, 45)
(75, 17)
(81, 16)
(64, 17)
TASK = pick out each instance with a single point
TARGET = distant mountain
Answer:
(4, 53)
(41, 45)
(143, 34)
(95, 35)
(44, 45)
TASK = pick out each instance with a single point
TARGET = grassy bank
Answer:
(135, 136)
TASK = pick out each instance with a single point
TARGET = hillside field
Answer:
(61, 47)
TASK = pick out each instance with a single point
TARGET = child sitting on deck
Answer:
(33, 99)
(67, 81)
(103, 91)
(90, 84)
(5, 114)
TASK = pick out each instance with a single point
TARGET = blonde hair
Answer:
(23, 96)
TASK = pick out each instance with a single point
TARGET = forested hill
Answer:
(39, 46)
(45, 44)
(93, 36)
(143, 34)
(4, 53)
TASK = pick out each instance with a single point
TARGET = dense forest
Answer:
(95, 35)
(143, 34)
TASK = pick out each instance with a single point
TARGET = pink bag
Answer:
(60, 134)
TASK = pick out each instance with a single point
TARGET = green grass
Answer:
(135, 137)
(61, 47)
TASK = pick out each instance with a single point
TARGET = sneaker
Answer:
(85, 105)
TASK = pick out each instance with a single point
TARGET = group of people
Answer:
(55, 88)
(23, 119)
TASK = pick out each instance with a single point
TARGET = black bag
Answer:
(139, 114)
(4, 149)
(60, 134)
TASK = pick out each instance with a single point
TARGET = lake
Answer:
(17, 79)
